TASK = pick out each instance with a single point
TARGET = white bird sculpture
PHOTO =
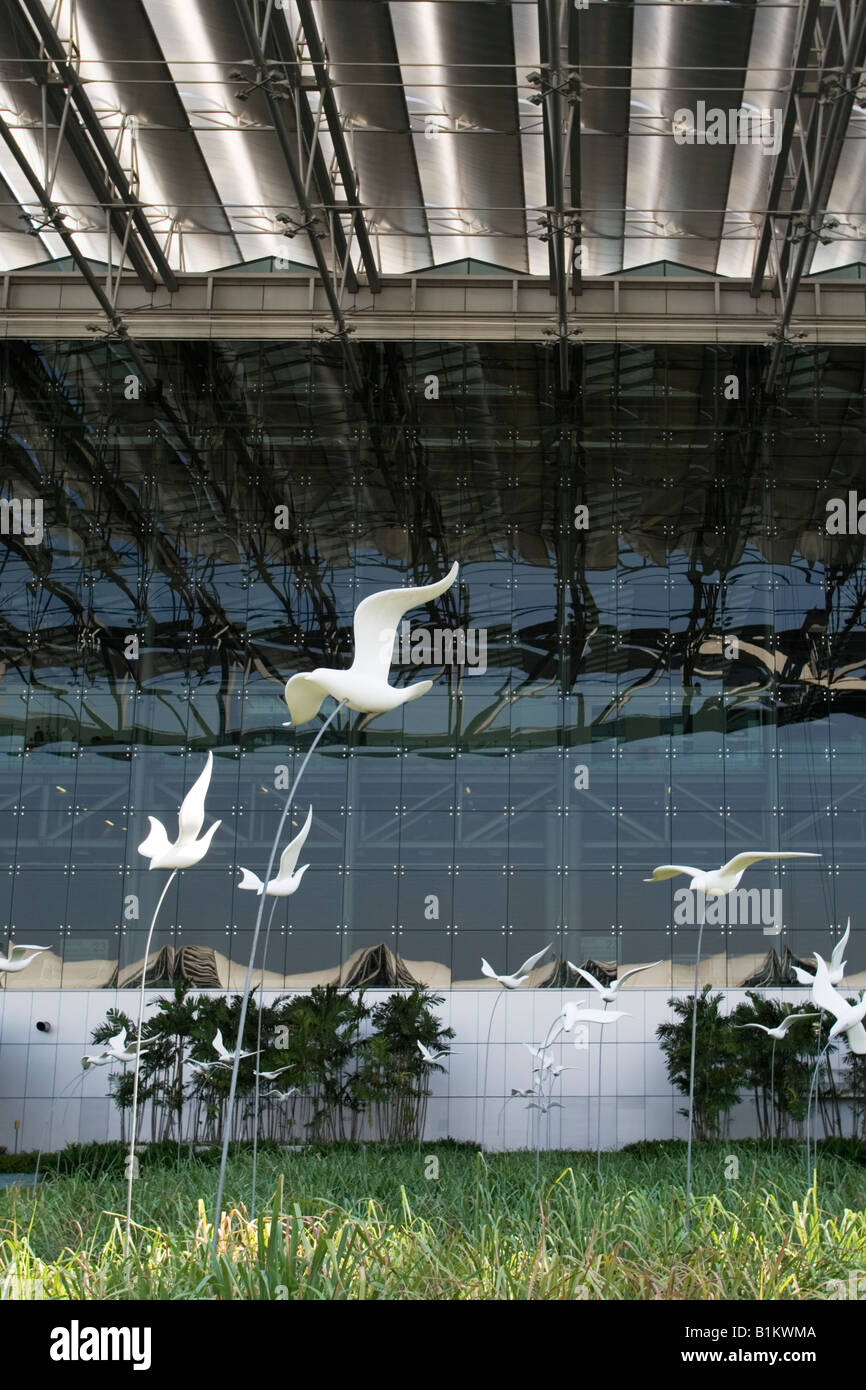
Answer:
(836, 966)
(716, 883)
(187, 848)
(18, 959)
(429, 1056)
(122, 1051)
(781, 1030)
(849, 1017)
(272, 1075)
(609, 992)
(223, 1052)
(282, 1095)
(573, 1014)
(96, 1060)
(287, 880)
(364, 686)
(516, 980)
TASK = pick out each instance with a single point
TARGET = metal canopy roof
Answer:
(364, 138)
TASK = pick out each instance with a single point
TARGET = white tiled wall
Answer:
(43, 1086)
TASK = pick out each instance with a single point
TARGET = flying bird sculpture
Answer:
(782, 1029)
(516, 980)
(836, 967)
(364, 686)
(287, 881)
(609, 992)
(18, 959)
(849, 1017)
(187, 849)
(716, 883)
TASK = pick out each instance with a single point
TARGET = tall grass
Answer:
(363, 1222)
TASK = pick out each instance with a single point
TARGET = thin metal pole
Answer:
(229, 1112)
(130, 1162)
(692, 1067)
(259, 1049)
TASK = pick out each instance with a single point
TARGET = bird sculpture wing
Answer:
(794, 1018)
(249, 880)
(590, 979)
(742, 861)
(291, 853)
(839, 949)
(117, 1042)
(671, 871)
(487, 969)
(19, 952)
(191, 815)
(531, 962)
(802, 976)
(599, 1015)
(218, 1045)
(304, 696)
(157, 841)
(752, 1025)
(378, 617)
(617, 984)
(823, 993)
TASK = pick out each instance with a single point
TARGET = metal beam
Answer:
(54, 48)
(341, 150)
(802, 48)
(310, 131)
(251, 35)
(78, 144)
(574, 151)
(552, 79)
(43, 303)
(828, 149)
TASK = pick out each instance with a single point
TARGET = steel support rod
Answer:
(341, 150)
(284, 138)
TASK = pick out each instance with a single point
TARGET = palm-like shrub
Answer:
(718, 1068)
(778, 1076)
(393, 1075)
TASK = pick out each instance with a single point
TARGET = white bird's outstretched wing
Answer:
(823, 993)
(531, 962)
(377, 618)
(190, 817)
(802, 976)
(19, 952)
(599, 1015)
(250, 881)
(157, 841)
(794, 1018)
(839, 949)
(635, 970)
(291, 854)
(671, 871)
(752, 1025)
(590, 979)
(742, 861)
(487, 969)
(856, 1036)
(303, 695)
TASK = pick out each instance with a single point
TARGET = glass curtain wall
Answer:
(654, 653)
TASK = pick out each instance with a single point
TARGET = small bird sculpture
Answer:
(364, 686)
(187, 849)
(287, 880)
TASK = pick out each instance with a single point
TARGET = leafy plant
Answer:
(778, 1076)
(394, 1074)
(719, 1069)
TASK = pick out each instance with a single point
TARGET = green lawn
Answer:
(374, 1222)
